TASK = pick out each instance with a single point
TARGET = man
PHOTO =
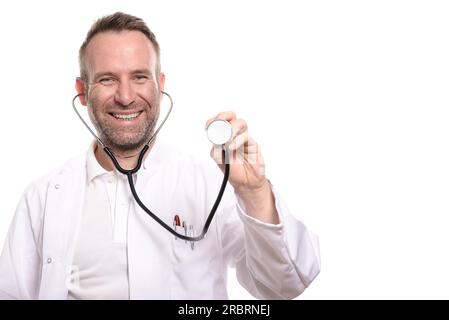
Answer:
(79, 234)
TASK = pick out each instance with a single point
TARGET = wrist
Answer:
(259, 202)
(257, 193)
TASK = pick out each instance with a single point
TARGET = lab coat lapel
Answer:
(64, 203)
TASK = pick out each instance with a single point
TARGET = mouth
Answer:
(125, 117)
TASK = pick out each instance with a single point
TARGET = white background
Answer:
(348, 99)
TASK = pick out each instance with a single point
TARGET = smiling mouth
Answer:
(126, 117)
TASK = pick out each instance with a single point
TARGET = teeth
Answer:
(126, 116)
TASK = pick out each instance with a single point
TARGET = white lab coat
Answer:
(271, 261)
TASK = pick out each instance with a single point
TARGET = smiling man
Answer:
(79, 234)
(120, 75)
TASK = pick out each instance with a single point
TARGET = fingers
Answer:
(239, 133)
(247, 152)
(243, 149)
(240, 140)
(225, 115)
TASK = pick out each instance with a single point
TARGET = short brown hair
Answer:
(117, 22)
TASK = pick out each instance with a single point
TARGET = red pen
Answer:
(176, 223)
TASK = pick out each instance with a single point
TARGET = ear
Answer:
(161, 83)
(81, 88)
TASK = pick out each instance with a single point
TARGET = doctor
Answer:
(78, 233)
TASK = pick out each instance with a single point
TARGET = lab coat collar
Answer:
(93, 168)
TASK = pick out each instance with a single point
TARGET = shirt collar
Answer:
(94, 169)
(153, 156)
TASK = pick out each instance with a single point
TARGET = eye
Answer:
(140, 78)
(107, 81)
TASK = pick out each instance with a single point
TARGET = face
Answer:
(123, 92)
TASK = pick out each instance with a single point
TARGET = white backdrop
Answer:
(348, 99)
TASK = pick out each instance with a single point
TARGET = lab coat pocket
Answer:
(183, 251)
(193, 272)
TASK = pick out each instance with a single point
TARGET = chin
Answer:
(128, 145)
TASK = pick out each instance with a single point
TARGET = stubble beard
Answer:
(124, 140)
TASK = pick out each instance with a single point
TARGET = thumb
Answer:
(217, 154)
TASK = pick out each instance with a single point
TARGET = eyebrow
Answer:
(108, 73)
(144, 71)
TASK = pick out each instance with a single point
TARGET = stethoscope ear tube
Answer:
(84, 122)
(129, 173)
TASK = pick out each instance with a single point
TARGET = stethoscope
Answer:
(219, 133)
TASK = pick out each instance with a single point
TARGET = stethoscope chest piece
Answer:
(219, 132)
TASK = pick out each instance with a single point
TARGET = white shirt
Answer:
(271, 261)
(100, 265)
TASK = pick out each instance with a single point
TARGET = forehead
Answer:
(119, 52)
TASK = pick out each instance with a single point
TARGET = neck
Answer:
(127, 160)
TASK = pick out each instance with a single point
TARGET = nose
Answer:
(125, 94)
